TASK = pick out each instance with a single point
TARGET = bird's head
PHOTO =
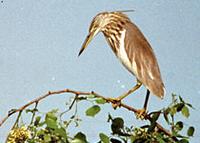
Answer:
(99, 23)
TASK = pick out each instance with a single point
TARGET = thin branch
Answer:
(147, 117)
(18, 117)
(34, 110)
(50, 93)
(70, 106)
(77, 93)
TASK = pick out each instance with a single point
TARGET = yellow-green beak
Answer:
(87, 41)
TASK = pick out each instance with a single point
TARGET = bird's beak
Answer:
(90, 36)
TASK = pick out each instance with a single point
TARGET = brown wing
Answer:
(142, 56)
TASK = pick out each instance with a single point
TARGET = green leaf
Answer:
(31, 110)
(190, 131)
(37, 120)
(165, 114)
(41, 124)
(133, 138)
(52, 115)
(179, 106)
(183, 141)
(61, 132)
(119, 122)
(104, 138)
(113, 140)
(160, 138)
(47, 138)
(117, 125)
(51, 120)
(51, 123)
(181, 99)
(181, 136)
(152, 127)
(100, 101)
(91, 96)
(179, 125)
(92, 111)
(173, 110)
(79, 138)
(80, 98)
(190, 105)
(77, 141)
(155, 116)
(41, 133)
(185, 111)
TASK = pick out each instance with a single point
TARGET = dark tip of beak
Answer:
(86, 42)
(80, 52)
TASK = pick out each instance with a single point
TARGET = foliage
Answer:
(50, 128)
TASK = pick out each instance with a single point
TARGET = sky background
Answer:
(40, 40)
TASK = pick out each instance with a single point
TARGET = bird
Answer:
(132, 49)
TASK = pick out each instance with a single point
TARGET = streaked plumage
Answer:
(130, 46)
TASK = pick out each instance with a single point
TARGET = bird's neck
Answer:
(113, 37)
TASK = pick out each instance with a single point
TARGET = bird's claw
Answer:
(116, 102)
(141, 114)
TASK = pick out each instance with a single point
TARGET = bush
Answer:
(50, 128)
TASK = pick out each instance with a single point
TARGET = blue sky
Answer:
(40, 40)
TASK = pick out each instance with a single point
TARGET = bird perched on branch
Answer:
(132, 49)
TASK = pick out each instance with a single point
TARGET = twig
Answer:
(70, 106)
(160, 127)
(77, 93)
(39, 99)
(18, 117)
(34, 110)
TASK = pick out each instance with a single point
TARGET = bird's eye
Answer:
(122, 22)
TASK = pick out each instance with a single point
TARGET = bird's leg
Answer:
(130, 91)
(146, 100)
(142, 112)
(116, 101)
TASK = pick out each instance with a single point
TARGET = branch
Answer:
(77, 93)
(50, 93)
(147, 117)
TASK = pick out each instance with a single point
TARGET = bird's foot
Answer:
(141, 114)
(116, 102)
